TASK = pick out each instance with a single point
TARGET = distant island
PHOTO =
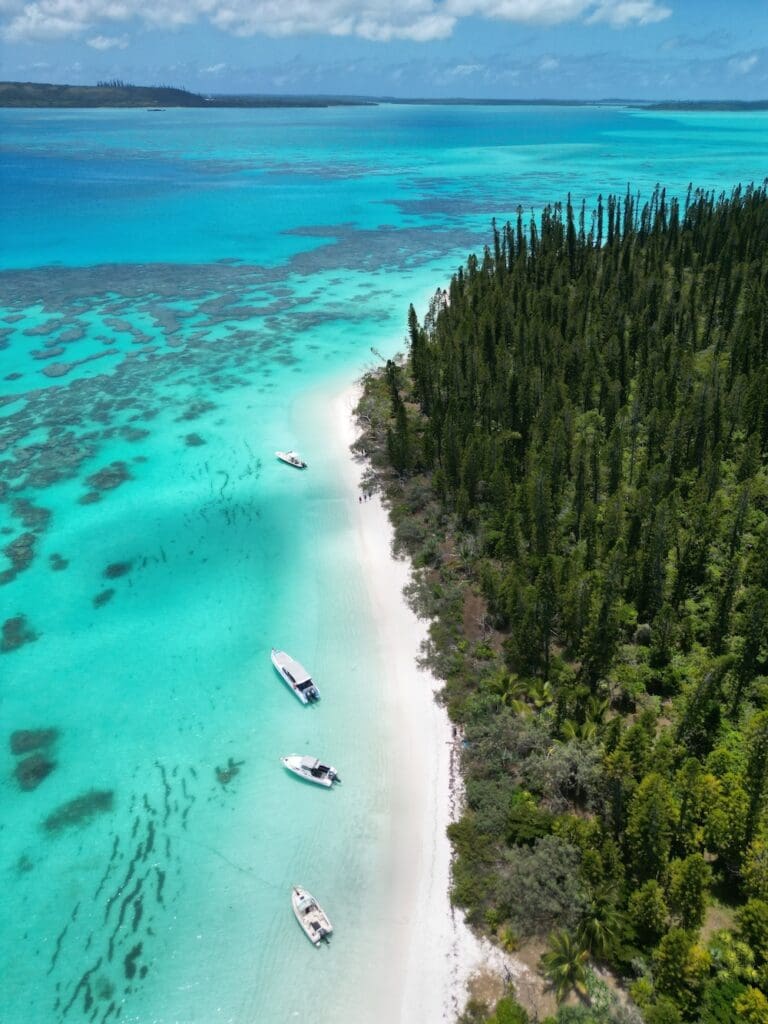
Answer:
(123, 94)
(117, 93)
(717, 105)
(634, 104)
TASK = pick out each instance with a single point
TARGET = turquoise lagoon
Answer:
(181, 294)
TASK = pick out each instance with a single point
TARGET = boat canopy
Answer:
(306, 903)
(296, 673)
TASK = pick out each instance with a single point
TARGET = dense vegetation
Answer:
(117, 93)
(575, 456)
(112, 93)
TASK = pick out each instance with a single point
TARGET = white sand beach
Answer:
(431, 952)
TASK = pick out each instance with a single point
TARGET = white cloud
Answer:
(549, 64)
(108, 42)
(542, 11)
(214, 69)
(743, 65)
(36, 22)
(465, 70)
(628, 12)
(378, 20)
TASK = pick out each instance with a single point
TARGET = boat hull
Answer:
(292, 763)
(295, 677)
(286, 459)
(312, 918)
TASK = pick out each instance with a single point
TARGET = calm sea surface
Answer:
(179, 291)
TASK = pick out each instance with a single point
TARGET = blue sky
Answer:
(588, 49)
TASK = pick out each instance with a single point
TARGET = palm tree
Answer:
(565, 965)
(574, 731)
(601, 926)
(540, 693)
(511, 691)
(597, 708)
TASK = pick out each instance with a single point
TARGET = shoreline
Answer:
(435, 952)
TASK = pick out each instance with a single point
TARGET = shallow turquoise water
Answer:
(181, 292)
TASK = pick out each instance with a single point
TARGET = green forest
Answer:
(574, 456)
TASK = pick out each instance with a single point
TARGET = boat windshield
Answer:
(306, 685)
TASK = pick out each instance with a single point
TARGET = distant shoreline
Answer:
(726, 106)
(40, 95)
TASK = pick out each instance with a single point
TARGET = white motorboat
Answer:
(311, 769)
(292, 459)
(310, 915)
(295, 676)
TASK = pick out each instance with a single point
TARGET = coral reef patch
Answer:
(24, 741)
(48, 353)
(103, 597)
(133, 434)
(110, 477)
(103, 988)
(80, 810)
(32, 516)
(117, 569)
(30, 771)
(62, 369)
(129, 961)
(24, 865)
(16, 633)
(20, 553)
(225, 775)
(196, 409)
